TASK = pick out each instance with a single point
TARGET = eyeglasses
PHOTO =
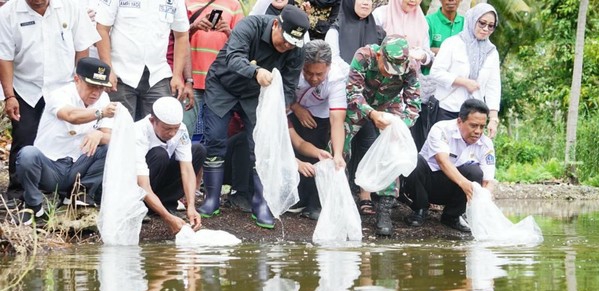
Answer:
(489, 26)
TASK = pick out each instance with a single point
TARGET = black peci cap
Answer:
(94, 71)
(295, 24)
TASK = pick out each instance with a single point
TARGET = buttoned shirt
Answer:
(42, 48)
(328, 95)
(57, 138)
(231, 76)
(139, 36)
(146, 139)
(452, 62)
(445, 137)
(440, 27)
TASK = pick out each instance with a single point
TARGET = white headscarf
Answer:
(477, 50)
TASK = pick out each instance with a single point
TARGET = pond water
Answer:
(568, 259)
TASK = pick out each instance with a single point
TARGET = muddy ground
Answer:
(292, 227)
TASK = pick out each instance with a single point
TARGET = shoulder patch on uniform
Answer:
(185, 138)
(490, 159)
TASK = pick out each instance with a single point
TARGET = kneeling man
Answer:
(72, 136)
(167, 162)
(455, 154)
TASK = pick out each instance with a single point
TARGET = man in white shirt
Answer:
(40, 45)
(167, 162)
(455, 154)
(319, 113)
(74, 130)
(134, 43)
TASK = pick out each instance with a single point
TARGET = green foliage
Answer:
(246, 6)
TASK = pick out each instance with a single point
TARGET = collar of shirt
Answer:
(446, 21)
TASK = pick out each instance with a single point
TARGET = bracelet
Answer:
(9, 96)
(189, 80)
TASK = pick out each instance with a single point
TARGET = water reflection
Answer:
(566, 260)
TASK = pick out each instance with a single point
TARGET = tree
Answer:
(572, 122)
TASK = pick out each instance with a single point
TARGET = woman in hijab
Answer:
(467, 66)
(354, 29)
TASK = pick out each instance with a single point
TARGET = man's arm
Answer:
(11, 106)
(175, 223)
(181, 53)
(188, 178)
(104, 47)
(75, 115)
(450, 170)
(82, 54)
(356, 82)
(337, 118)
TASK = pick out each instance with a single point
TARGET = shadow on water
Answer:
(566, 260)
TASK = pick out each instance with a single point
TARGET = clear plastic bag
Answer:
(275, 159)
(488, 224)
(339, 218)
(392, 154)
(204, 237)
(122, 208)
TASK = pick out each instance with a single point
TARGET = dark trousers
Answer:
(319, 137)
(139, 100)
(421, 128)
(238, 167)
(165, 173)
(443, 114)
(215, 132)
(360, 145)
(23, 134)
(425, 186)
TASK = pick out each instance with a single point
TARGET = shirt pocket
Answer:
(167, 11)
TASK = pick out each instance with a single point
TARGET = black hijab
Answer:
(354, 32)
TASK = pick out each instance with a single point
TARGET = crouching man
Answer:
(455, 154)
(167, 162)
(74, 129)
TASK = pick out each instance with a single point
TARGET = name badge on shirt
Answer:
(166, 12)
(28, 23)
(129, 4)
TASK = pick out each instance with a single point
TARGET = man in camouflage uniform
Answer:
(381, 80)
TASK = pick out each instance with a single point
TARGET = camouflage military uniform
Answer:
(367, 90)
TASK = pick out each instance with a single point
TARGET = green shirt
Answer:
(440, 28)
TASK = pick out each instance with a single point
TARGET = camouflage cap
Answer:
(395, 50)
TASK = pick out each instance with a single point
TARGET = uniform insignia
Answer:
(27, 23)
(72, 132)
(184, 139)
(490, 159)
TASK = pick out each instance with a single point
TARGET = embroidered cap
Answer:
(295, 23)
(168, 110)
(395, 50)
(94, 71)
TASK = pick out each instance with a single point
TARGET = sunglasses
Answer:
(490, 26)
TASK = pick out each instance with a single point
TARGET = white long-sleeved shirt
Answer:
(452, 62)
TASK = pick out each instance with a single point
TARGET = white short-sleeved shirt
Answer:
(329, 95)
(146, 139)
(59, 139)
(452, 62)
(140, 35)
(445, 137)
(43, 48)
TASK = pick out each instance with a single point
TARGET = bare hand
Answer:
(339, 162)
(175, 223)
(307, 7)
(113, 80)
(194, 218)
(177, 86)
(109, 110)
(306, 169)
(90, 142)
(264, 77)
(223, 26)
(11, 108)
(492, 127)
(202, 23)
(324, 155)
(467, 188)
(304, 116)
(417, 53)
(187, 96)
(379, 120)
(471, 85)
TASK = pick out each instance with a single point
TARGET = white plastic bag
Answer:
(488, 223)
(122, 209)
(339, 218)
(275, 159)
(204, 237)
(393, 153)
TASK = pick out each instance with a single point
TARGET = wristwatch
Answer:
(189, 80)
(99, 114)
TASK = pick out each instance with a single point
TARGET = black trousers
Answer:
(319, 137)
(238, 166)
(23, 133)
(360, 145)
(425, 186)
(165, 173)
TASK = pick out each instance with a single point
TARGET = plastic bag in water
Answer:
(488, 223)
(275, 159)
(205, 237)
(393, 153)
(339, 218)
(122, 208)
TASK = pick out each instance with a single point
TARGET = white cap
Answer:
(168, 110)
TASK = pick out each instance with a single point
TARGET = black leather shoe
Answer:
(10, 204)
(455, 223)
(417, 218)
(313, 214)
